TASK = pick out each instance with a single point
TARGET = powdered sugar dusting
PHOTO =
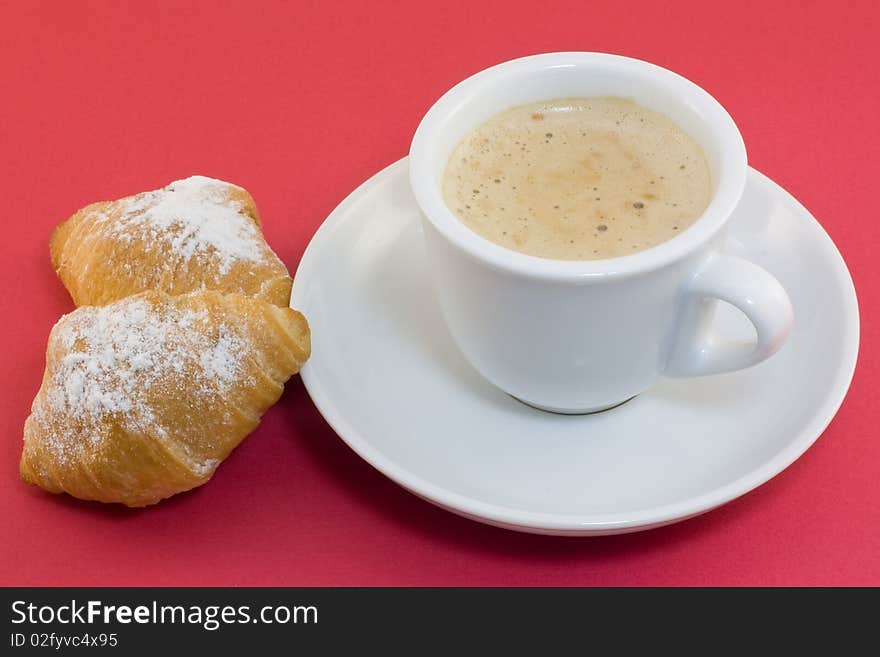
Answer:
(195, 218)
(217, 363)
(114, 355)
(202, 468)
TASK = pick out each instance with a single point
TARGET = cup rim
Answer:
(725, 199)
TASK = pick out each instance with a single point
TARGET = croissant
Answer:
(194, 234)
(144, 397)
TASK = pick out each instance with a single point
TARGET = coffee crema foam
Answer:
(578, 179)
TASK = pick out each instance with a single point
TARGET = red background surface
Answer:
(302, 101)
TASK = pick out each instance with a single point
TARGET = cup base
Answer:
(565, 411)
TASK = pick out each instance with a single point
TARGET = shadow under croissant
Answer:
(110, 510)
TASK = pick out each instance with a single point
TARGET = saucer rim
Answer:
(585, 524)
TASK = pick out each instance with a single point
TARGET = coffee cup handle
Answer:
(748, 287)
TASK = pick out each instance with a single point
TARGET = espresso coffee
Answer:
(578, 179)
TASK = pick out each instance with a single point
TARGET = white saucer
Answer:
(387, 377)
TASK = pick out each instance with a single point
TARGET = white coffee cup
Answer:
(584, 336)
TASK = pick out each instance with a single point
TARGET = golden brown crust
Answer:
(144, 397)
(194, 234)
